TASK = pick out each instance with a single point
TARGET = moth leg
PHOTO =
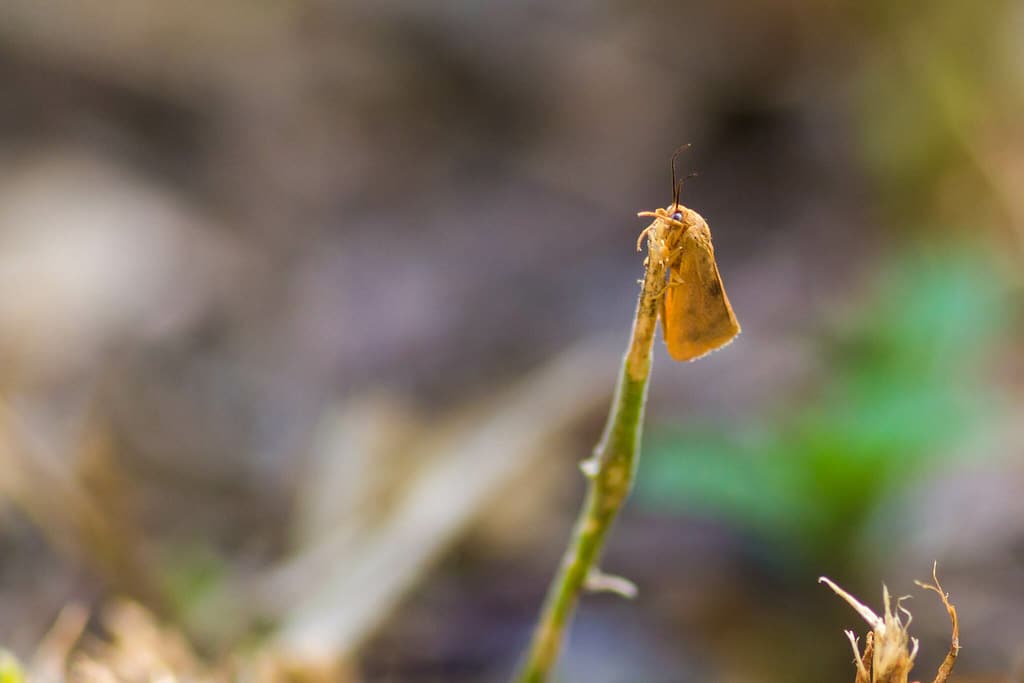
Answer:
(659, 213)
(674, 280)
(673, 253)
(663, 215)
(661, 290)
(643, 234)
(670, 257)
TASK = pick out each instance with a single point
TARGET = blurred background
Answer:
(311, 308)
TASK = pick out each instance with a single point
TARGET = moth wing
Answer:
(697, 317)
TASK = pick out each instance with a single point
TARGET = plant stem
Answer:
(611, 470)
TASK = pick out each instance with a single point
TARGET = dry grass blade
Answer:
(77, 522)
(49, 664)
(946, 668)
(469, 465)
(863, 662)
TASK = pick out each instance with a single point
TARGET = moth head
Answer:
(676, 214)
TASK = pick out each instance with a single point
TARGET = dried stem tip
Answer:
(889, 651)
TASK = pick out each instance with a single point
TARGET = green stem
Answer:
(611, 470)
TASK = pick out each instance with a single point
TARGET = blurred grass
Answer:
(937, 102)
(902, 394)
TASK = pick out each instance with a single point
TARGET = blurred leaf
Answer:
(900, 393)
(931, 310)
(705, 473)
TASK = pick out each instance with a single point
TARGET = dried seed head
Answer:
(888, 651)
(893, 649)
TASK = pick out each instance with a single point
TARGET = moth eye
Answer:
(677, 216)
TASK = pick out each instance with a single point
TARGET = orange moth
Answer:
(696, 316)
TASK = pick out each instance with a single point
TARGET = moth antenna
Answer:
(677, 187)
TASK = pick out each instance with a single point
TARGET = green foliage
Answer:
(10, 669)
(900, 393)
(191, 573)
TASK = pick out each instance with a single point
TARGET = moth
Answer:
(696, 316)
